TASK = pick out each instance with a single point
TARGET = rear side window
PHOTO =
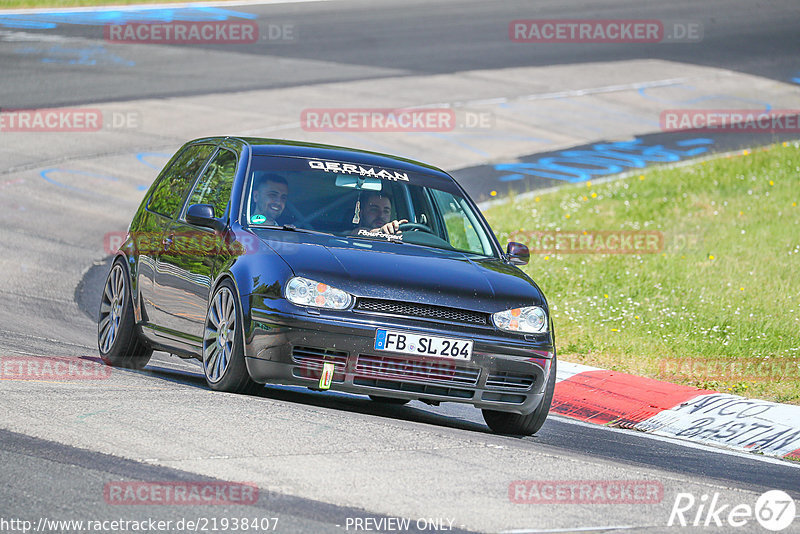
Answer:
(215, 186)
(175, 181)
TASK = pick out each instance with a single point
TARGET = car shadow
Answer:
(331, 399)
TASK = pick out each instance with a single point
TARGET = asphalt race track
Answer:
(341, 41)
(328, 462)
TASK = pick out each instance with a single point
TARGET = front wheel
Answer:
(117, 339)
(223, 347)
(524, 425)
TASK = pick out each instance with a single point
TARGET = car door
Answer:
(186, 272)
(163, 207)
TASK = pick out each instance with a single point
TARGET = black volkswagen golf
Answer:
(283, 262)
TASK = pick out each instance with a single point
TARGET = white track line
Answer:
(564, 94)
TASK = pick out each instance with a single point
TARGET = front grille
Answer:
(404, 369)
(495, 396)
(415, 387)
(422, 311)
(311, 359)
(505, 379)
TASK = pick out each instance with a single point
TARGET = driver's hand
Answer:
(392, 227)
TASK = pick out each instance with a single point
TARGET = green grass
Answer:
(19, 4)
(723, 294)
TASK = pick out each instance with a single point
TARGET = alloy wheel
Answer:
(219, 334)
(111, 306)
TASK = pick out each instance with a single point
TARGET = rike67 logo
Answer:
(773, 510)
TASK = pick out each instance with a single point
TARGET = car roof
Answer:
(283, 147)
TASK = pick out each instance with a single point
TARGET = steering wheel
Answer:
(415, 227)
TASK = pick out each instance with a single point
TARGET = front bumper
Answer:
(290, 346)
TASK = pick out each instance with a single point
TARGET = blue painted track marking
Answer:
(698, 142)
(580, 165)
(47, 21)
(45, 174)
(142, 158)
(92, 55)
(695, 141)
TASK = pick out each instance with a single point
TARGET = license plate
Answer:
(419, 345)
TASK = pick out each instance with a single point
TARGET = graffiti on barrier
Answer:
(746, 424)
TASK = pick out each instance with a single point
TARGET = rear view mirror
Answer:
(359, 183)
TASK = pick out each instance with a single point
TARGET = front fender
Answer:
(259, 270)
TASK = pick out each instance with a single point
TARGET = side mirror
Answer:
(518, 254)
(203, 215)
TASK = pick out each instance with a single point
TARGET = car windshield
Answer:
(358, 201)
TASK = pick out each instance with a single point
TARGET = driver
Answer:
(270, 194)
(376, 213)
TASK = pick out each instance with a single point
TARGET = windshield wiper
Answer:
(293, 228)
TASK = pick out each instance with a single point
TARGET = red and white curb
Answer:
(612, 398)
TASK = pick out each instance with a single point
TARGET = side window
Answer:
(215, 186)
(460, 227)
(173, 184)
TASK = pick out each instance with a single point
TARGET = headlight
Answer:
(305, 292)
(530, 320)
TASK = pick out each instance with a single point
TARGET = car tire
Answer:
(524, 425)
(388, 400)
(223, 347)
(117, 339)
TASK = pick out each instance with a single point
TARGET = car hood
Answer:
(406, 272)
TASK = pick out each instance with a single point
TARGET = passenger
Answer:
(269, 195)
